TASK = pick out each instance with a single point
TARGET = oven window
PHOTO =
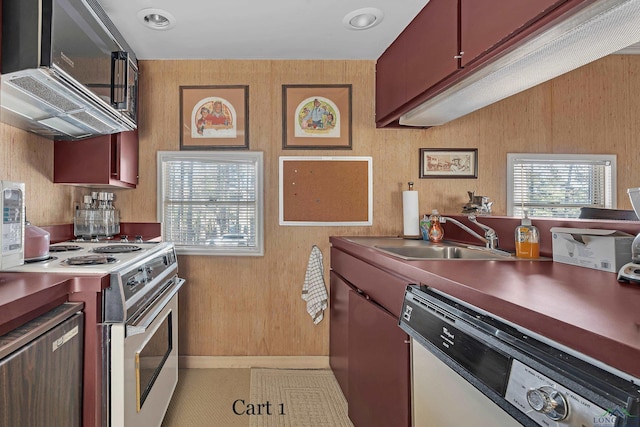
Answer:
(151, 359)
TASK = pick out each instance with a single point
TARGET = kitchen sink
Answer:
(408, 249)
(446, 251)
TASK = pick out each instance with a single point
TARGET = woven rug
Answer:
(297, 398)
(205, 397)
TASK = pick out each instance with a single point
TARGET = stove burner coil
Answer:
(35, 261)
(64, 248)
(91, 260)
(116, 249)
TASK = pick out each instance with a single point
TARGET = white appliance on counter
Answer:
(630, 272)
(12, 233)
(469, 368)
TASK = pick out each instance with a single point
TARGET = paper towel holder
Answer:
(410, 214)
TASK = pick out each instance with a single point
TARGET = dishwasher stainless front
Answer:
(470, 368)
(441, 397)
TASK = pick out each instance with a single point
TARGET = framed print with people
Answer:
(214, 117)
(316, 116)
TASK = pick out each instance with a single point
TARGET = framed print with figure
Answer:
(214, 117)
(448, 163)
(316, 117)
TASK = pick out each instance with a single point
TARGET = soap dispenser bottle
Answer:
(527, 239)
(436, 232)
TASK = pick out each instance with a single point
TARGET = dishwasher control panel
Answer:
(550, 404)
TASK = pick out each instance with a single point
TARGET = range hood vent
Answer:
(603, 28)
(66, 71)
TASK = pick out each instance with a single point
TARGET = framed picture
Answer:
(448, 163)
(316, 117)
(214, 117)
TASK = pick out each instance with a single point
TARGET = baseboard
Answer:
(280, 362)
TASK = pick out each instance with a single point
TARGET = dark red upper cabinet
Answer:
(102, 161)
(485, 24)
(124, 164)
(450, 39)
(422, 55)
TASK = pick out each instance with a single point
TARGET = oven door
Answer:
(144, 363)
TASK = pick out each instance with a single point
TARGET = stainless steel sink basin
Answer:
(408, 249)
(445, 251)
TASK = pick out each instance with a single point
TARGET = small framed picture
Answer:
(214, 117)
(316, 117)
(448, 163)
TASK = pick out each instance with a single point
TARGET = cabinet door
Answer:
(485, 24)
(41, 383)
(422, 55)
(82, 162)
(379, 372)
(124, 165)
(339, 331)
(106, 160)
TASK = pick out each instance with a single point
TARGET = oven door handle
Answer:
(142, 323)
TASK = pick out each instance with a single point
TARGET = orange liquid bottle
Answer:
(527, 239)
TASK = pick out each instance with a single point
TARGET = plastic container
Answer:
(424, 227)
(527, 239)
(436, 232)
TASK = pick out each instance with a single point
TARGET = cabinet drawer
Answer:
(382, 287)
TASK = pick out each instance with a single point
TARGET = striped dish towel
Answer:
(314, 291)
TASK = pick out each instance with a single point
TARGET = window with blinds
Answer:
(558, 185)
(211, 203)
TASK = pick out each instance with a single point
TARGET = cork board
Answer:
(320, 191)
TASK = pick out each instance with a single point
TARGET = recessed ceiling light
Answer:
(156, 19)
(362, 19)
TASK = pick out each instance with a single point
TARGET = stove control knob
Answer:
(548, 401)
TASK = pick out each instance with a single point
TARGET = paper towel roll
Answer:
(411, 216)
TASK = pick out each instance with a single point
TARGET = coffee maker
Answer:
(630, 272)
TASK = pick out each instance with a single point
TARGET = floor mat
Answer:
(296, 398)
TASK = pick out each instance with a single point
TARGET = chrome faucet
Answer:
(490, 238)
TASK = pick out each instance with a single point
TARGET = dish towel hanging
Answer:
(314, 291)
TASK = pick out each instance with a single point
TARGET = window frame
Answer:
(201, 249)
(513, 157)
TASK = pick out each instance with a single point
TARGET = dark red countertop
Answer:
(25, 296)
(584, 309)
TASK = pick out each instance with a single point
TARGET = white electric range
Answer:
(138, 330)
(91, 257)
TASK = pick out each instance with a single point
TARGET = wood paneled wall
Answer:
(28, 158)
(253, 306)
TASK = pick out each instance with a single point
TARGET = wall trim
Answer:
(280, 362)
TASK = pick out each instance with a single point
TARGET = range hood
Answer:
(66, 71)
(603, 28)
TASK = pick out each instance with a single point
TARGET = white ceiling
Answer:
(250, 29)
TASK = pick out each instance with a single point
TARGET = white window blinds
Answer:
(211, 202)
(558, 185)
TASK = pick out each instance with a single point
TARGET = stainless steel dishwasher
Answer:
(41, 370)
(470, 368)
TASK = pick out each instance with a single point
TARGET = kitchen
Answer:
(248, 309)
